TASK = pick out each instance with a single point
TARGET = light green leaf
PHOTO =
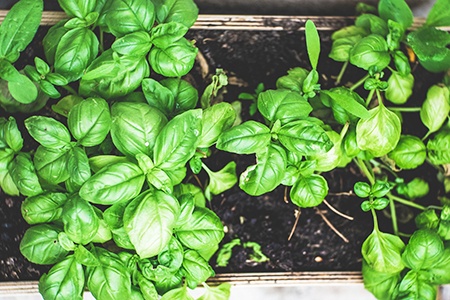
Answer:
(309, 191)
(246, 138)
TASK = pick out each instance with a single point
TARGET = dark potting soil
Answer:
(249, 58)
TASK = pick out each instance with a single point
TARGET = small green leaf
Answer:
(312, 43)
(309, 191)
(370, 51)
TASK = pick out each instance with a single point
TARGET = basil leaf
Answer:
(19, 27)
(305, 137)
(439, 15)
(185, 95)
(413, 287)
(196, 268)
(332, 158)
(51, 40)
(174, 61)
(425, 248)
(100, 161)
(139, 16)
(216, 119)
(187, 206)
(135, 127)
(220, 292)
(382, 252)
(24, 176)
(283, 105)
(380, 133)
(223, 179)
(20, 87)
(51, 164)
(396, 10)
(78, 8)
(177, 293)
(80, 220)
(182, 190)
(268, 172)
(110, 279)
(438, 148)
(409, 153)
(163, 35)
(309, 191)
(65, 280)
(160, 210)
(438, 274)
(180, 11)
(372, 24)
(43, 208)
(351, 102)
(48, 132)
(40, 245)
(114, 183)
(204, 230)
(78, 167)
(341, 48)
(158, 96)
(370, 51)
(177, 141)
(12, 135)
(172, 255)
(246, 138)
(416, 188)
(312, 43)
(76, 50)
(89, 121)
(436, 107)
(381, 285)
(400, 88)
(133, 44)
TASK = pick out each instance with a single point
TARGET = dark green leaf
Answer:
(24, 175)
(48, 131)
(185, 95)
(439, 14)
(163, 35)
(309, 191)
(373, 24)
(158, 96)
(216, 119)
(12, 135)
(78, 8)
(247, 138)
(348, 100)
(80, 220)
(438, 148)
(396, 10)
(138, 14)
(51, 164)
(409, 153)
(370, 51)
(133, 44)
(78, 167)
(180, 11)
(43, 208)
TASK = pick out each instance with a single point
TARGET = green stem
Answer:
(102, 39)
(362, 165)
(359, 82)
(69, 89)
(405, 109)
(393, 216)
(380, 99)
(369, 97)
(344, 130)
(375, 219)
(405, 202)
(426, 135)
(341, 73)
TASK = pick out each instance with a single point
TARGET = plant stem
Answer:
(359, 82)
(102, 39)
(362, 165)
(69, 89)
(405, 109)
(344, 130)
(393, 216)
(375, 219)
(405, 202)
(426, 135)
(341, 73)
(369, 97)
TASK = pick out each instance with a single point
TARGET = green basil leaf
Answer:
(78, 167)
(185, 95)
(425, 248)
(216, 119)
(110, 279)
(436, 107)
(20, 87)
(64, 105)
(427, 219)
(400, 88)
(370, 51)
(114, 183)
(382, 252)
(85, 257)
(172, 255)
(372, 24)
(133, 44)
(160, 180)
(19, 27)
(283, 105)
(380, 133)
(147, 288)
(220, 292)
(312, 43)
(196, 268)
(12, 135)
(177, 141)
(52, 164)
(413, 287)
(51, 40)
(444, 224)
(57, 79)
(438, 148)
(65, 280)
(439, 273)
(100, 161)
(177, 293)
(76, 50)
(401, 62)
(78, 8)
(381, 285)
(416, 188)
(396, 10)
(341, 48)
(187, 206)
(409, 153)
(158, 96)
(439, 15)
(293, 81)
(182, 190)
(49, 89)
(174, 61)
(24, 175)
(80, 220)
(268, 172)
(362, 189)
(89, 121)
(135, 127)
(246, 138)
(309, 191)
(40, 245)
(351, 102)
(139, 16)
(223, 179)
(48, 132)
(332, 158)
(160, 210)
(43, 208)
(203, 230)
(180, 11)
(163, 35)
(305, 137)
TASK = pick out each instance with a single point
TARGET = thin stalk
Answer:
(337, 212)
(380, 99)
(393, 216)
(341, 73)
(69, 89)
(359, 83)
(297, 217)
(426, 135)
(325, 219)
(102, 40)
(362, 165)
(405, 202)
(375, 219)
(344, 129)
(369, 97)
(405, 109)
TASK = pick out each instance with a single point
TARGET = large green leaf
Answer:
(396, 10)
(370, 51)
(52, 164)
(48, 132)
(246, 138)
(43, 208)
(127, 16)
(409, 153)
(400, 88)
(78, 8)
(309, 191)
(24, 176)
(268, 172)
(436, 107)
(196, 268)
(425, 248)
(114, 183)
(216, 119)
(180, 11)
(413, 287)
(160, 212)
(439, 14)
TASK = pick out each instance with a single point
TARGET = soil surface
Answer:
(249, 58)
